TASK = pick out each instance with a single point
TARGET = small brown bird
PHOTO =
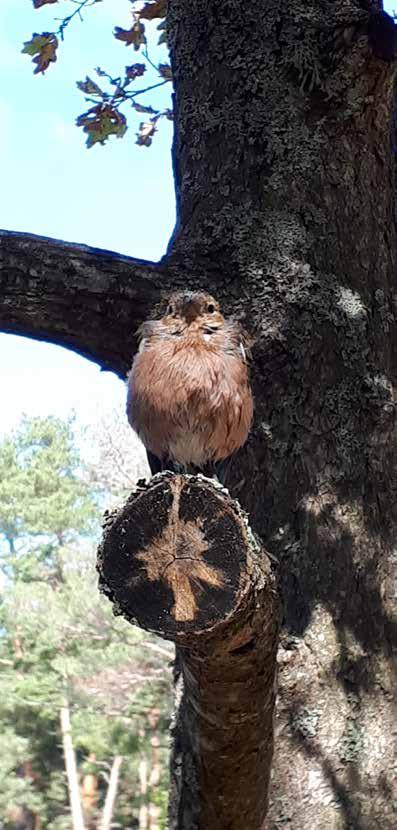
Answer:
(189, 397)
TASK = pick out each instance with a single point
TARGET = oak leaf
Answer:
(165, 71)
(100, 122)
(162, 27)
(134, 36)
(153, 9)
(135, 71)
(89, 87)
(142, 108)
(43, 47)
(146, 132)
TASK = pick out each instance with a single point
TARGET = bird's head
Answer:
(194, 309)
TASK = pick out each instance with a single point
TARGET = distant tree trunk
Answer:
(89, 794)
(21, 818)
(71, 768)
(153, 717)
(111, 794)
(143, 792)
(17, 643)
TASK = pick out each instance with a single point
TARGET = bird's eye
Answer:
(170, 309)
(210, 308)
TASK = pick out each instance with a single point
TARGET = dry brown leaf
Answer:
(146, 132)
(134, 36)
(38, 3)
(136, 70)
(141, 108)
(89, 87)
(153, 9)
(100, 122)
(43, 47)
(165, 71)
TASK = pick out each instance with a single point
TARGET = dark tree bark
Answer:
(284, 173)
(89, 300)
(179, 559)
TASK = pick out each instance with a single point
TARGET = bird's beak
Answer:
(190, 312)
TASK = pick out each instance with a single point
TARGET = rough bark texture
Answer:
(284, 173)
(180, 560)
(284, 168)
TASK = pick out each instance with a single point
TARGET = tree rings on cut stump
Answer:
(174, 558)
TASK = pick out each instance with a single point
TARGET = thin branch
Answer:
(145, 53)
(158, 649)
(148, 88)
(77, 12)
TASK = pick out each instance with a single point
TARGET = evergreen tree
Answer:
(62, 651)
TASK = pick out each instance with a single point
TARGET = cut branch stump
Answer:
(180, 560)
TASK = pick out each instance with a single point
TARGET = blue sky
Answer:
(118, 197)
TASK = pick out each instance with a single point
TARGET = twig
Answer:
(81, 4)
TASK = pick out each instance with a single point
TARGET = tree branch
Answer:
(87, 299)
(179, 559)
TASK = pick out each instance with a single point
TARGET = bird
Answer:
(189, 397)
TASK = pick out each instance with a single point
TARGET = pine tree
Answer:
(64, 656)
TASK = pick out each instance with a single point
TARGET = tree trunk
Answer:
(71, 768)
(153, 717)
(179, 559)
(283, 162)
(284, 168)
(90, 794)
(21, 818)
(111, 794)
(143, 787)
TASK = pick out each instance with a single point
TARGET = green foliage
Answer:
(15, 788)
(59, 640)
(105, 118)
(44, 501)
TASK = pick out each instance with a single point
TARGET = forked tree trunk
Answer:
(111, 795)
(283, 159)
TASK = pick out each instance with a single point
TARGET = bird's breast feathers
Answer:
(189, 395)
